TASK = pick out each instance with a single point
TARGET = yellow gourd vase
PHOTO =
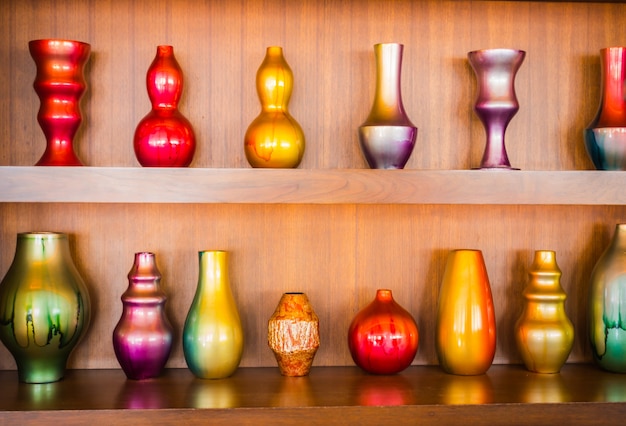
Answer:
(274, 139)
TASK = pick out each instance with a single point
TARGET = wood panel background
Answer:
(338, 254)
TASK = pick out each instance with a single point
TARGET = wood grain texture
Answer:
(332, 395)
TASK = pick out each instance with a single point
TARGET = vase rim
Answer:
(57, 40)
(212, 251)
(496, 50)
(389, 44)
(42, 234)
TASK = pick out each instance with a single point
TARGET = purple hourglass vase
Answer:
(496, 103)
(142, 338)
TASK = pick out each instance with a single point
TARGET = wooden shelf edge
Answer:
(316, 186)
(580, 394)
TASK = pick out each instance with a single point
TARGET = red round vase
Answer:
(164, 137)
(383, 336)
(60, 85)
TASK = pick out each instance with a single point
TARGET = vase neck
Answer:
(619, 238)
(144, 280)
(42, 247)
(612, 111)
(213, 273)
(164, 79)
(274, 81)
(388, 108)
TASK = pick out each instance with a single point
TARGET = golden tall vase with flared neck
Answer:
(544, 334)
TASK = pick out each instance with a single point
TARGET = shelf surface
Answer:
(580, 394)
(300, 186)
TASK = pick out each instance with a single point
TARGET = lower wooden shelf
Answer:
(580, 394)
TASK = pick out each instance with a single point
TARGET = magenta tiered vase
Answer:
(164, 137)
(142, 339)
(60, 85)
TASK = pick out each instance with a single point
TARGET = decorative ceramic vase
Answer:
(60, 84)
(607, 304)
(387, 136)
(274, 139)
(466, 323)
(164, 137)
(496, 102)
(212, 335)
(44, 306)
(383, 337)
(605, 137)
(544, 334)
(142, 339)
(293, 334)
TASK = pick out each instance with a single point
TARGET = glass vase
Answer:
(164, 137)
(496, 102)
(213, 335)
(387, 137)
(274, 139)
(44, 306)
(544, 334)
(605, 136)
(60, 85)
(465, 324)
(142, 339)
(293, 334)
(607, 305)
(383, 337)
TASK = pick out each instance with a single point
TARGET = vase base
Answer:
(497, 168)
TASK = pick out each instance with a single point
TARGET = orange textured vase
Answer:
(466, 323)
(293, 334)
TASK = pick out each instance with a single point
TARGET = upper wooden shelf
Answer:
(316, 186)
(580, 394)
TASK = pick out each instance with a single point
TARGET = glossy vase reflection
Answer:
(466, 324)
(213, 335)
(383, 337)
(605, 136)
(496, 102)
(387, 137)
(607, 304)
(544, 334)
(274, 139)
(293, 334)
(142, 339)
(44, 306)
(60, 85)
(164, 137)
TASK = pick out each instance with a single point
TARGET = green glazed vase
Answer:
(607, 305)
(44, 306)
(213, 335)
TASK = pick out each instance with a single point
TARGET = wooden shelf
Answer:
(580, 394)
(300, 186)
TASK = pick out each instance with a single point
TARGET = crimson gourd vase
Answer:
(383, 337)
(44, 306)
(142, 339)
(60, 85)
(605, 136)
(164, 137)
(293, 334)
(496, 102)
(387, 137)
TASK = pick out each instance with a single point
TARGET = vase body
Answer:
(293, 334)
(496, 102)
(274, 139)
(383, 337)
(387, 137)
(164, 137)
(44, 306)
(607, 304)
(465, 324)
(60, 85)
(605, 136)
(544, 334)
(142, 339)
(213, 335)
